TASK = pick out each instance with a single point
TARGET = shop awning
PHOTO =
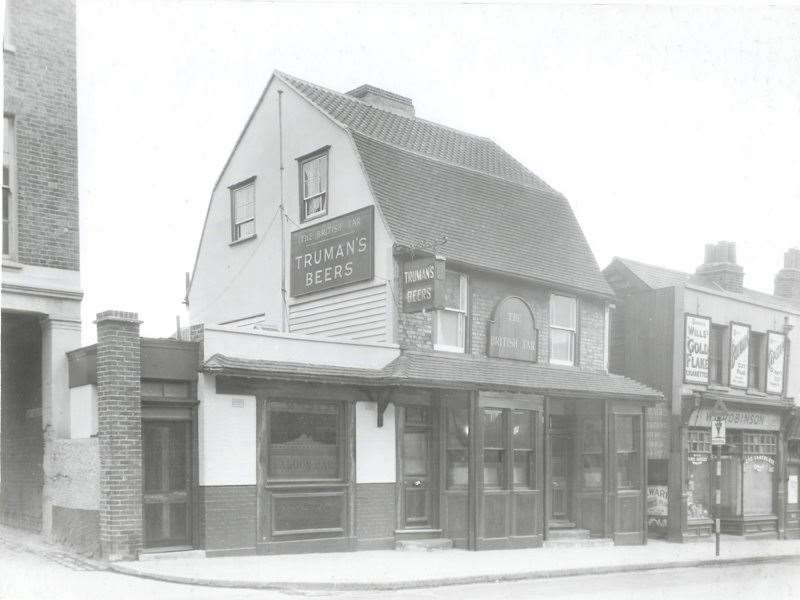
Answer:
(439, 370)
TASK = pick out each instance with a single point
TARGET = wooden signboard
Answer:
(696, 347)
(776, 359)
(512, 331)
(423, 284)
(333, 253)
(740, 355)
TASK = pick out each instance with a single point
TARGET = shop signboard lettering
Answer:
(698, 458)
(740, 355)
(696, 359)
(512, 331)
(423, 284)
(738, 419)
(657, 506)
(760, 462)
(334, 253)
(776, 349)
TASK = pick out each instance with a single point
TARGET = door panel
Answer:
(559, 478)
(167, 468)
(418, 461)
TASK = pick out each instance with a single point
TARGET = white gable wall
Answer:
(234, 282)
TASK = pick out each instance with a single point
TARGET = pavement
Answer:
(402, 570)
(396, 570)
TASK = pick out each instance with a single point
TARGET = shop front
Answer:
(437, 448)
(751, 479)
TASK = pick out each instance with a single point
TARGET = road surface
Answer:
(26, 575)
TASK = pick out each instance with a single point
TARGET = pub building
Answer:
(710, 344)
(403, 339)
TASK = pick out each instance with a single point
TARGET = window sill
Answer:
(242, 240)
(314, 217)
(755, 392)
(10, 264)
(450, 349)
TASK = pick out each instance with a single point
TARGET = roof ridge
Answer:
(285, 75)
(437, 159)
(652, 266)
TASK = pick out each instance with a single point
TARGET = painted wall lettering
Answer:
(512, 331)
(336, 252)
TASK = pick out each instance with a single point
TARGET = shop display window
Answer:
(748, 474)
(698, 474)
(509, 435)
(626, 436)
(457, 447)
(305, 441)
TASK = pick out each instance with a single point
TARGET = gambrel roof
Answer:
(430, 181)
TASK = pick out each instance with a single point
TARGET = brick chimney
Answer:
(720, 268)
(119, 420)
(384, 99)
(787, 281)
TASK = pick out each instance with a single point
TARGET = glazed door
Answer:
(167, 483)
(559, 478)
(418, 456)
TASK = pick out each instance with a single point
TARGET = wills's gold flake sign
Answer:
(423, 284)
(740, 355)
(695, 352)
(333, 253)
(776, 358)
(512, 331)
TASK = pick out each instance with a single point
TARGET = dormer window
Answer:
(314, 185)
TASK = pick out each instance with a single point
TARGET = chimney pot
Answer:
(720, 268)
(383, 99)
(787, 281)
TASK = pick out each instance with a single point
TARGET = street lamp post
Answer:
(718, 414)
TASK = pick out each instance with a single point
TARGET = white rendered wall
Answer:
(264, 345)
(227, 436)
(236, 281)
(82, 412)
(375, 446)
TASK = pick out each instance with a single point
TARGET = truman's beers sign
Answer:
(336, 252)
(695, 354)
(423, 284)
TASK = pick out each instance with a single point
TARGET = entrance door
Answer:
(167, 482)
(418, 456)
(559, 479)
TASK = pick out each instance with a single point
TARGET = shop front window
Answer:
(626, 430)
(509, 435)
(698, 474)
(748, 474)
(305, 441)
(457, 447)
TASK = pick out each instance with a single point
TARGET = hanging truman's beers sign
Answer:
(776, 358)
(423, 284)
(695, 354)
(336, 252)
(740, 355)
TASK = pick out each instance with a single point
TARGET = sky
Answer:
(665, 127)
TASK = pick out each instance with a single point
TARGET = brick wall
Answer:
(40, 92)
(227, 518)
(119, 410)
(415, 330)
(375, 514)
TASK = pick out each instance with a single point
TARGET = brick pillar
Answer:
(119, 419)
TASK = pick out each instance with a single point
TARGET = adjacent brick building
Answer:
(706, 341)
(41, 291)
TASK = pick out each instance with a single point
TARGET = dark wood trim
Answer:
(474, 477)
(546, 491)
(644, 475)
